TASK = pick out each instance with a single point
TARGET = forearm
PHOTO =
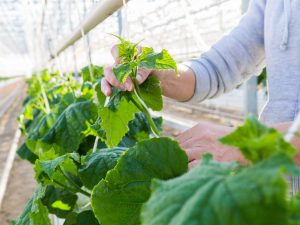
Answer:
(180, 87)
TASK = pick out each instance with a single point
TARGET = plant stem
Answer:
(143, 107)
(75, 185)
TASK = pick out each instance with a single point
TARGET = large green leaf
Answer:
(83, 218)
(96, 165)
(295, 210)
(59, 201)
(25, 153)
(139, 128)
(37, 133)
(34, 213)
(219, 194)
(256, 141)
(67, 132)
(60, 172)
(118, 199)
(151, 93)
(115, 123)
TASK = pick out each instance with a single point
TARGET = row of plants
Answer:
(101, 160)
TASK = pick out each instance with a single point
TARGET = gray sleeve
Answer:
(233, 58)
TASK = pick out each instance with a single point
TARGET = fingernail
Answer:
(139, 78)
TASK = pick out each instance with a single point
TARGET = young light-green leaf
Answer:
(256, 141)
(159, 61)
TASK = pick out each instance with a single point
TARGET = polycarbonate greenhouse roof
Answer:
(31, 28)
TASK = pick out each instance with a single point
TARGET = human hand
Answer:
(110, 80)
(203, 138)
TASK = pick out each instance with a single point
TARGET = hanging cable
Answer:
(87, 47)
(86, 42)
(37, 54)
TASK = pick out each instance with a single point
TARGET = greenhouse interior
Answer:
(149, 112)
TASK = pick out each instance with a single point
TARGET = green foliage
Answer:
(215, 193)
(97, 73)
(115, 123)
(59, 201)
(256, 141)
(117, 199)
(96, 165)
(59, 143)
(35, 213)
(228, 193)
(83, 218)
(26, 154)
(129, 177)
(132, 58)
(151, 93)
(67, 132)
(148, 95)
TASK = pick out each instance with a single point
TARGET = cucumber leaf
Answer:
(151, 93)
(160, 61)
(60, 172)
(256, 141)
(25, 153)
(59, 201)
(68, 131)
(219, 193)
(97, 71)
(96, 165)
(38, 132)
(83, 218)
(122, 71)
(34, 213)
(118, 198)
(115, 123)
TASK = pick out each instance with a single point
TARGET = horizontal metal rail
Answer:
(103, 10)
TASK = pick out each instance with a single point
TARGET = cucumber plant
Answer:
(133, 176)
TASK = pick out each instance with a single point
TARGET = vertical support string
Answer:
(37, 54)
(88, 51)
(86, 42)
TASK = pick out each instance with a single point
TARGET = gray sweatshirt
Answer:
(268, 34)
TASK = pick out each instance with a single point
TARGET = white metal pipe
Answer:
(102, 11)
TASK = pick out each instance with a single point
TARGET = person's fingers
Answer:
(105, 87)
(111, 79)
(129, 84)
(115, 54)
(142, 75)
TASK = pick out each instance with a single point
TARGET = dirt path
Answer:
(21, 182)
